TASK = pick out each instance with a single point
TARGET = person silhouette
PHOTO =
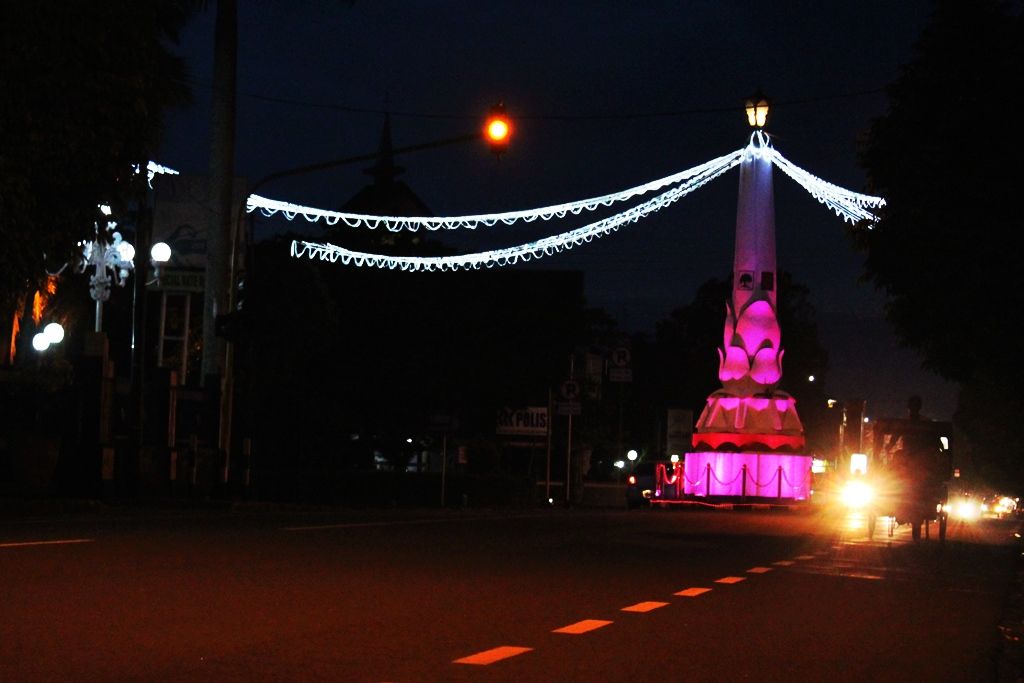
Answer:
(914, 404)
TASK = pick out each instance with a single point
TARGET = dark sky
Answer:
(606, 95)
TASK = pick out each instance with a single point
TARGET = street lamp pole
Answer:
(111, 261)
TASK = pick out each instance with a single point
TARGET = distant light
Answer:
(631, 454)
(40, 342)
(497, 130)
(408, 440)
(54, 333)
(832, 403)
(945, 442)
(859, 463)
(818, 466)
(674, 457)
(620, 464)
(810, 378)
(867, 419)
(161, 252)
(125, 250)
(105, 209)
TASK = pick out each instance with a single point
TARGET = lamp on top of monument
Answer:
(757, 110)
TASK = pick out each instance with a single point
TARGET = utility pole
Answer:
(216, 362)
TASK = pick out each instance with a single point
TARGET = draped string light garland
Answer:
(511, 255)
(268, 207)
(852, 206)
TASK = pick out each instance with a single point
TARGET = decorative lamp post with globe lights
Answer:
(111, 258)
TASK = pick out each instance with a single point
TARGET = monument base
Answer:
(752, 475)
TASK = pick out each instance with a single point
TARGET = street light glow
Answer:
(40, 342)
(126, 250)
(631, 454)
(54, 333)
(757, 110)
(161, 252)
(497, 130)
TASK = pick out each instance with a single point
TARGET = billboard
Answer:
(532, 421)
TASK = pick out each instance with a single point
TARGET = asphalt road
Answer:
(543, 595)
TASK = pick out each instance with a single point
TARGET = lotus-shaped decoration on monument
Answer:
(751, 351)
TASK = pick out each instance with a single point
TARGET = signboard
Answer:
(532, 421)
(679, 431)
(569, 398)
(180, 281)
(620, 366)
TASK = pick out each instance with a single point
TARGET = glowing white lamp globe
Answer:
(126, 251)
(161, 252)
(40, 342)
(631, 454)
(54, 333)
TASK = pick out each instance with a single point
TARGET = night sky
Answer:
(606, 95)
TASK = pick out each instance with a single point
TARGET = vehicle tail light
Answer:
(632, 479)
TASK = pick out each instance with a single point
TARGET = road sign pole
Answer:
(568, 448)
(444, 463)
(547, 475)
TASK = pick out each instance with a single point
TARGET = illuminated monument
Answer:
(749, 440)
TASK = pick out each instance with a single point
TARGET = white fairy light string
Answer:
(511, 255)
(851, 206)
(397, 223)
(152, 169)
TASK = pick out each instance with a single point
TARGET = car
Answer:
(654, 481)
(640, 484)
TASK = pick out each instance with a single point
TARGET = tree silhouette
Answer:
(83, 85)
(947, 249)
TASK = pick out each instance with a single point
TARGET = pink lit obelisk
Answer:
(748, 441)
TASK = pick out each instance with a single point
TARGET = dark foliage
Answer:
(83, 87)
(947, 249)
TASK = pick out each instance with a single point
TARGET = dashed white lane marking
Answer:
(759, 570)
(644, 606)
(64, 541)
(495, 654)
(784, 563)
(584, 626)
(730, 579)
(692, 592)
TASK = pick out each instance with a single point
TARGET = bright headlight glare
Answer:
(857, 494)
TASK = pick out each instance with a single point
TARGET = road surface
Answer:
(530, 595)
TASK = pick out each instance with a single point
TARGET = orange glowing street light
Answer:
(498, 129)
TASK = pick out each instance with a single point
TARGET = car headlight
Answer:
(857, 494)
(967, 509)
